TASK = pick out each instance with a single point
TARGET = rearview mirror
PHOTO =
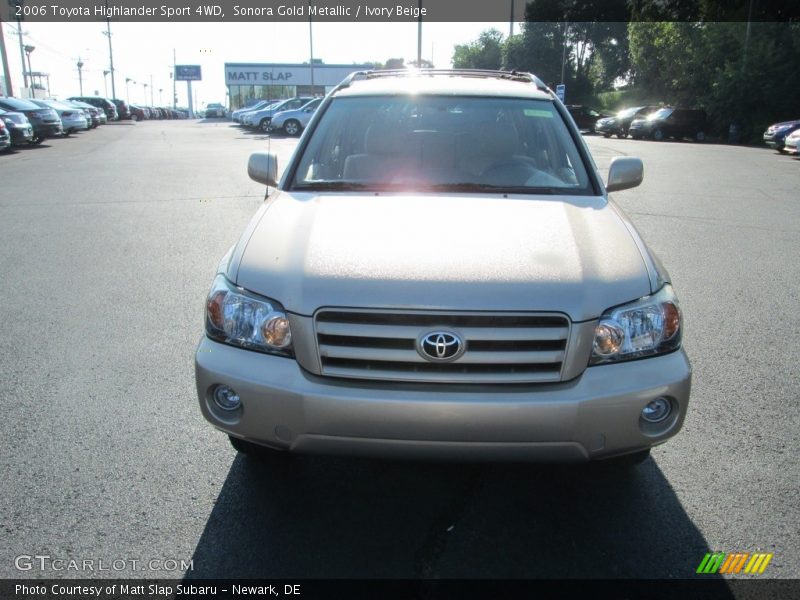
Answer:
(624, 173)
(263, 168)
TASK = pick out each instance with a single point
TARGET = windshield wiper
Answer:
(335, 185)
(494, 189)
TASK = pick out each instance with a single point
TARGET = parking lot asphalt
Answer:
(110, 241)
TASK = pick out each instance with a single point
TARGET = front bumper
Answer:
(775, 141)
(21, 135)
(596, 415)
(45, 130)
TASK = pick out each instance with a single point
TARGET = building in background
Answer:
(255, 81)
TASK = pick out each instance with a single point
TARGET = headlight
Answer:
(649, 326)
(236, 317)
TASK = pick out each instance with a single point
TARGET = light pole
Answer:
(145, 93)
(80, 75)
(107, 33)
(160, 99)
(311, 47)
(127, 89)
(105, 81)
(151, 92)
(22, 52)
(28, 50)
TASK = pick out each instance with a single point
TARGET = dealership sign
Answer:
(287, 74)
(187, 73)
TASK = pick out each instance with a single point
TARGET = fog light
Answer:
(657, 410)
(226, 398)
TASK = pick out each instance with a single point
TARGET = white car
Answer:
(263, 118)
(72, 118)
(292, 122)
(792, 143)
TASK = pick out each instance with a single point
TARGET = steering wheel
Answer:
(512, 171)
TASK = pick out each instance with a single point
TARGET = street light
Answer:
(105, 81)
(80, 75)
(145, 93)
(127, 90)
(28, 50)
(160, 100)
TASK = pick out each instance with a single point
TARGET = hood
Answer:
(784, 124)
(450, 252)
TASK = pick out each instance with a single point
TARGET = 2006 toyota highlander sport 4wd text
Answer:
(440, 274)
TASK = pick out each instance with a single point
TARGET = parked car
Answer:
(95, 115)
(45, 121)
(103, 103)
(263, 118)
(137, 113)
(585, 116)
(292, 122)
(123, 110)
(669, 122)
(792, 142)
(620, 123)
(252, 104)
(358, 315)
(775, 135)
(239, 115)
(72, 119)
(18, 126)
(5, 137)
(215, 110)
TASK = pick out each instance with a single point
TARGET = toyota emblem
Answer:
(440, 346)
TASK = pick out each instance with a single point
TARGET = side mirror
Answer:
(624, 173)
(263, 168)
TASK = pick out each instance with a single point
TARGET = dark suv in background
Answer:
(620, 123)
(669, 122)
(123, 110)
(103, 103)
(46, 122)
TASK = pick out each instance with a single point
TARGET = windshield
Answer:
(443, 143)
(661, 113)
(628, 112)
(16, 104)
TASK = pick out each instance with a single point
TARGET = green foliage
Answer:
(484, 53)
(750, 79)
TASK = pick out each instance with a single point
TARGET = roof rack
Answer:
(485, 73)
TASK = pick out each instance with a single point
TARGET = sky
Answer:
(145, 50)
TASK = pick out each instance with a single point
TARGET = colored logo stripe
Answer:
(733, 563)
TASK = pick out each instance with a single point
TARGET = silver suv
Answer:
(441, 274)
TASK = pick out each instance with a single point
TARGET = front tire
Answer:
(259, 453)
(626, 461)
(658, 135)
(264, 124)
(292, 127)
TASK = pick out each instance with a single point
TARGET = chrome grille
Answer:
(500, 347)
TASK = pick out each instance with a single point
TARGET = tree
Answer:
(484, 53)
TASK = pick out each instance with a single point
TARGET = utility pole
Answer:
(107, 33)
(564, 52)
(28, 49)
(151, 92)
(105, 81)
(419, 34)
(80, 75)
(9, 91)
(311, 46)
(174, 83)
(22, 52)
